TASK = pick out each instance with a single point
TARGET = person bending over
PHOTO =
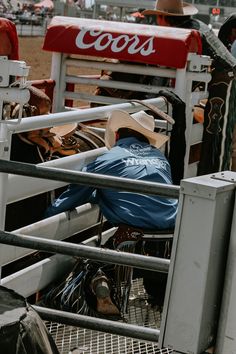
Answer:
(133, 152)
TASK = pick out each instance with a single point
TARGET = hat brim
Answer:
(188, 10)
(64, 130)
(121, 119)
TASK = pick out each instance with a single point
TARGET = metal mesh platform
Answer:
(82, 341)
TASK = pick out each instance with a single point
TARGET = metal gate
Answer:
(202, 229)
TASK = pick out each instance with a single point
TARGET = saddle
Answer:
(51, 142)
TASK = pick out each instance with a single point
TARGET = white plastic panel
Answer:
(226, 336)
(197, 131)
(20, 187)
(197, 264)
(58, 227)
(37, 276)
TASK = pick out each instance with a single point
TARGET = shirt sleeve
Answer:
(74, 196)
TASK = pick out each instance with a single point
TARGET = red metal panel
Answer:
(128, 42)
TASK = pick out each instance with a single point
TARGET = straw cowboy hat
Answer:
(172, 8)
(141, 122)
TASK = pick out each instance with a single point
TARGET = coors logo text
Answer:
(99, 40)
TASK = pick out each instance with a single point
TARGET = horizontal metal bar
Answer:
(57, 228)
(95, 253)
(80, 115)
(91, 179)
(118, 67)
(112, 84)
(20, 187)
(98, 324)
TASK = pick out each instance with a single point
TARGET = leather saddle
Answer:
(52, 142)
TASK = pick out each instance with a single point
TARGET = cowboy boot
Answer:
(101, 289)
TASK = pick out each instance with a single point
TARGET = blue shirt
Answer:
(129, 158)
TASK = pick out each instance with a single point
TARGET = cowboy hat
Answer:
(172, 8)
(141, 122)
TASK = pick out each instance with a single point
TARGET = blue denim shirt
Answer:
(129, 158)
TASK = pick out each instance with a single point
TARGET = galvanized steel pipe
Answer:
(95, 253)
(98, 324)
(91, 179)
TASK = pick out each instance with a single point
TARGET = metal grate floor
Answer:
(83, 341)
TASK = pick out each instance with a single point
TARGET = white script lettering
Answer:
(100, 41)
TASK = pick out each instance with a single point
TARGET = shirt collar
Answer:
(128, 141)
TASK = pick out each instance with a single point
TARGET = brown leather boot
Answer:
(101, 289)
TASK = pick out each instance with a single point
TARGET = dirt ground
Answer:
(31, 52)
(30, 49)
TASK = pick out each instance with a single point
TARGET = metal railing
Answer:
(101, 181)
(91, 179)
(105, 255)
(95, 253)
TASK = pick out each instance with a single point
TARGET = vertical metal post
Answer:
(56, 75)
(62, 84)
(96, 10)
(121, 13)
(5, 143)
(226, 336)
(183, 88)
(180, 83)
(198, 261)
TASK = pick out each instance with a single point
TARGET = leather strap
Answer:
(156, 110)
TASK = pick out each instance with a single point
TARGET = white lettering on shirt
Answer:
(131, 161)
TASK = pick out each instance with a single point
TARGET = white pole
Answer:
(5, 143)
(55, 75)
(80, 115)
